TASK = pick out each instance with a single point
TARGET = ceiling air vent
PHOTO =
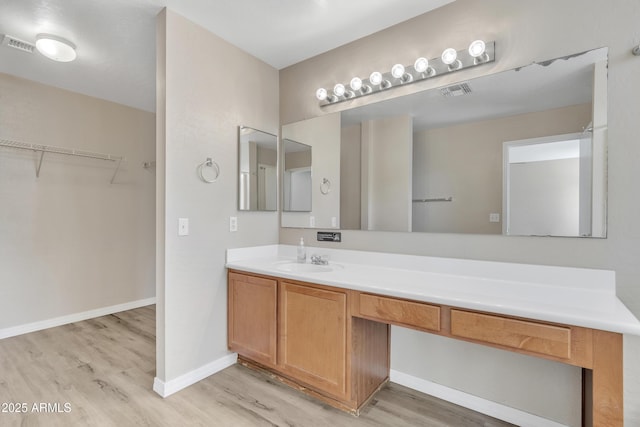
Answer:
(18, 44)
(456, 90)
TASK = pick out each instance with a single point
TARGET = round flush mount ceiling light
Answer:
(55, 48)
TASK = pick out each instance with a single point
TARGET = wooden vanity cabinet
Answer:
(252, 317)
(333, 343)
(306, 335)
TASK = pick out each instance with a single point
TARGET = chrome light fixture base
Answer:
(436, 67)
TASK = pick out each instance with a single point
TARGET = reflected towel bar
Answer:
(437, 199)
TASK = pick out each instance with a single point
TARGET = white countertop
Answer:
(573, 296)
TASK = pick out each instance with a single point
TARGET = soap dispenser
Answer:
(302, 251)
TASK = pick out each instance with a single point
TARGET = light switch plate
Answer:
(233, 223)
(183, 226)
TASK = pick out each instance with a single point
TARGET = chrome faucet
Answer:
(319, 260)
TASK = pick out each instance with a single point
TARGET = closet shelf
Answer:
(64, 151)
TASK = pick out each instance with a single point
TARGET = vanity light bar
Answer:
(477, 53)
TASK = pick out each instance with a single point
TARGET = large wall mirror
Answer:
(436, 160)
(257, 170)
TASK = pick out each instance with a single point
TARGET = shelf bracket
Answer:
(116, 171)
(39, 164)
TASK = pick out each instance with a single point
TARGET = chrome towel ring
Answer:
(212, 171)
(325, 187)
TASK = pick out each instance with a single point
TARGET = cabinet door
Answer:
(313, 337)
(252, 322)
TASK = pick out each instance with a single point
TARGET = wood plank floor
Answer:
(100, 372)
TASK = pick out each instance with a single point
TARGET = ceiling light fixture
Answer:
(56, 48)
(477, 53)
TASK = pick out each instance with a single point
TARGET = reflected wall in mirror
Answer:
(322, 136)
(258, 172)
(296, 187)
(451, 180)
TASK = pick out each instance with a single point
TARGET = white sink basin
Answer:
(295, 267)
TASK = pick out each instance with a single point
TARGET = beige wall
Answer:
(465, 162)
(199, 110)
(69, 240)
(524, 32)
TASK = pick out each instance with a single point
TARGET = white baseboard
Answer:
(469, 401)
(70, 318)
(165, 389)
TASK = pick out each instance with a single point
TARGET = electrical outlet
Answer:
(312, 221)
(334, 221)
(183, 226)
(233, 223)
(494, 217)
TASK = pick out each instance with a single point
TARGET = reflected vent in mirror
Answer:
(456, 90)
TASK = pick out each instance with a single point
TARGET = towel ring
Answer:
(209, 163)
(325, 187)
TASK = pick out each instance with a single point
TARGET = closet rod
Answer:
(60, 150)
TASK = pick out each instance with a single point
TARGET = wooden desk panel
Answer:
(400, 312)
(535, 337)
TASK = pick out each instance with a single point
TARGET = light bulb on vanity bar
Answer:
(477, 49)
(421, 65)
(321, 94)
(450, 57)
(375, 78)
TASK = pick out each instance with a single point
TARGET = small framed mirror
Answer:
(297, 176)
(257, 170)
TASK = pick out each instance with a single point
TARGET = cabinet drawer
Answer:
(400, 312)
(518, 334)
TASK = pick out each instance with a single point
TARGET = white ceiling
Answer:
(116, 38)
